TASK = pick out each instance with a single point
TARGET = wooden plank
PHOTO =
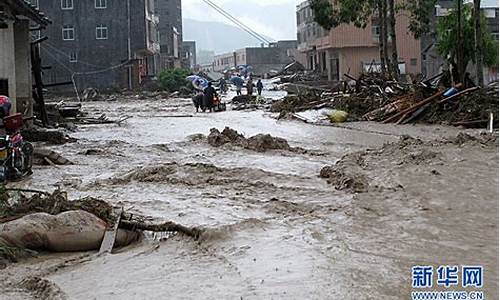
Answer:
(110, 235)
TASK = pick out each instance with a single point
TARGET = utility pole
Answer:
(129, 47)
(478, 45)
(460, 43)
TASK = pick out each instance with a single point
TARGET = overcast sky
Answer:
(273, 18)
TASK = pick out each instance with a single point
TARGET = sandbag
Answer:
(68, 231)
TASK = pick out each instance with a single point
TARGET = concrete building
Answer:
(189, 55)
(350, 50)
(170, 32)
(15, 52)
(262, 59)
(100, 43)
(432, 62)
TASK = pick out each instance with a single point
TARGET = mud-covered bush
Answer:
(174, 79)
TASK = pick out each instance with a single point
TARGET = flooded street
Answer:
(274, 228)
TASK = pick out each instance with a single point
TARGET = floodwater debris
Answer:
(341, 179)
(55, 137)
(49, 157)
(50, 222)
(42, 288)
(258, 143)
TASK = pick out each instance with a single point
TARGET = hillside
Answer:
(216, 36)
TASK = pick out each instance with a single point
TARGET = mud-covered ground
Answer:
(276, 229)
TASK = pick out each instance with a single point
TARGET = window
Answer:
(375, 30)
(100, 3)
(36, 34)
(413, 62)
(66, 4)
(441, 12)
(73, 57)
(101, 32)
(489, 13)
(34, 3)
(68, 33)
(151, 32)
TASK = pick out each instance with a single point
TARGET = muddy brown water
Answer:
(275, 230)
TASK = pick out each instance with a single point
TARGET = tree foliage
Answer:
(420, 13)
(353, 12)
(173, 79)
(359, 13)
(447, 37)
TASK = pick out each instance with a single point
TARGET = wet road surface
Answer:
(275, 230)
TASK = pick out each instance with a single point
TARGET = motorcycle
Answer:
(16, 155)
(218, 105)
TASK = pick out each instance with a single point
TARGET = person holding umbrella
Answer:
(208, 97)
(238, 82)
(250, 87)
(260, 87)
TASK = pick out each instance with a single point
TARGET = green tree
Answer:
(173, 79)
(420, 13)
(448, 35)
(360, 13)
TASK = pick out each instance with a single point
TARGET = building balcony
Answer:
(154, 47)
(154, 18)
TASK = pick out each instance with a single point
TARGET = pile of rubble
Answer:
(258, 143)
(370, 98)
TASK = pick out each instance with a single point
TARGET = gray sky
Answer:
(273, 18)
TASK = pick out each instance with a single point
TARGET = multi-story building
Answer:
(347, 49)
(100, 43)
(432, 62)
(262, 59)
(189, 54)
(170, 32)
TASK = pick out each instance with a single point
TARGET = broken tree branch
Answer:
(164, 227)
(460, 94)
(27, 191)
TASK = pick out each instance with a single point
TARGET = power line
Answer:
(53, 48)
(73, 73)
(237, 22)
(229, 17)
